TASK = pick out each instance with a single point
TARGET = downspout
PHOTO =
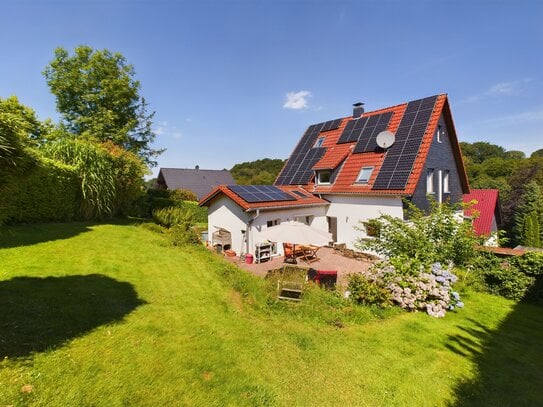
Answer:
(249, 226)
(440, 187)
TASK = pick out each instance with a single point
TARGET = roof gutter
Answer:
(265, 208)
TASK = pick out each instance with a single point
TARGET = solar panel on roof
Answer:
(352, 130)
(367, 140)
(299, 168)
(401, 156)
(260, 193)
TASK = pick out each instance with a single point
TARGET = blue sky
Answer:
(235, 81)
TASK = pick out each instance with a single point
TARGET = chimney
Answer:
(358, 109)
(197, 167)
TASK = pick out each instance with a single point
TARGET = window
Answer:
(446, 181)
(364, 176)
(273, 222)
(306, 219)
(323, 177)
(319, 142)
(430, 181)
(439, 134)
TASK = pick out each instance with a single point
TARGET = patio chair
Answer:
(290, 253)
(309, 253)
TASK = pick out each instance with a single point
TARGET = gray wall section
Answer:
(440, 157)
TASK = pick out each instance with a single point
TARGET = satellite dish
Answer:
(385, 139)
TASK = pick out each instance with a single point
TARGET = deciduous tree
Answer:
(99, 99)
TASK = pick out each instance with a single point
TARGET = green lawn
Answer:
(111, 315)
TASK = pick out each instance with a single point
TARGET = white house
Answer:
(341, 173)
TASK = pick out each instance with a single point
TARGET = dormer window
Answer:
(439, 134)
(319, 142)
(324, 177)
(364, 176)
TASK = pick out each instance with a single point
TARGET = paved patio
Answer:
(328, 260)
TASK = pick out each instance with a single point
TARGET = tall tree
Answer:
(529, 215)
(482, 150)
(99, 99)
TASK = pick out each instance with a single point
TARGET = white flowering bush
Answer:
(413, 289)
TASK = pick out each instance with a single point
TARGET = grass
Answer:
(111, 315)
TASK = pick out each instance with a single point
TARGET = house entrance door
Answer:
(332, 227)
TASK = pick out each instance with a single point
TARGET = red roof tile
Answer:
(485, 209)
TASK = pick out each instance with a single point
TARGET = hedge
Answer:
(47, 191)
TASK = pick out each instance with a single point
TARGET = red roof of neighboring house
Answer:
(308, 199)
(485, 208)
(340, 157)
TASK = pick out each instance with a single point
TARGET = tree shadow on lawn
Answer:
(30, 234)
(37, 314)
(509, 359)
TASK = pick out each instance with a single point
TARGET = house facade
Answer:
(351, 169)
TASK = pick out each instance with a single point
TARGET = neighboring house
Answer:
(487, 213)
(201, 182)
(347, 178)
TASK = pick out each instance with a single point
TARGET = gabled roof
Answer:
(201, 182)
(301, 198)
(487, 207)
(397, 170)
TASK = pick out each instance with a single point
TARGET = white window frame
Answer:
(446, 182)
(319, 142)
(319, 174)
(430, 181)
(365, 180)
(439, 134)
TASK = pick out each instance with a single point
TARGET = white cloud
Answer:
(535, 115)
(163, 129)
(297, 100)
(508, 88)
(499, 89)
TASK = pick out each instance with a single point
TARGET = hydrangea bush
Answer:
(418, 290)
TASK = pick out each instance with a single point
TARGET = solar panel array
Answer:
(375, 125)
(398, 162)
(364, 131)
(299, 168)
(260, 193)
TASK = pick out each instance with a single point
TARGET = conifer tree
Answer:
(529, 216)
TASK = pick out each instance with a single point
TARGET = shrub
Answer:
(502, 277)
(153, 227)
(530, 263)
(367, 291)
(198, 213)
(172, 216)
(182, 235)
(46, 191)
(183, 195)
(162, 198)
(437, 237)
